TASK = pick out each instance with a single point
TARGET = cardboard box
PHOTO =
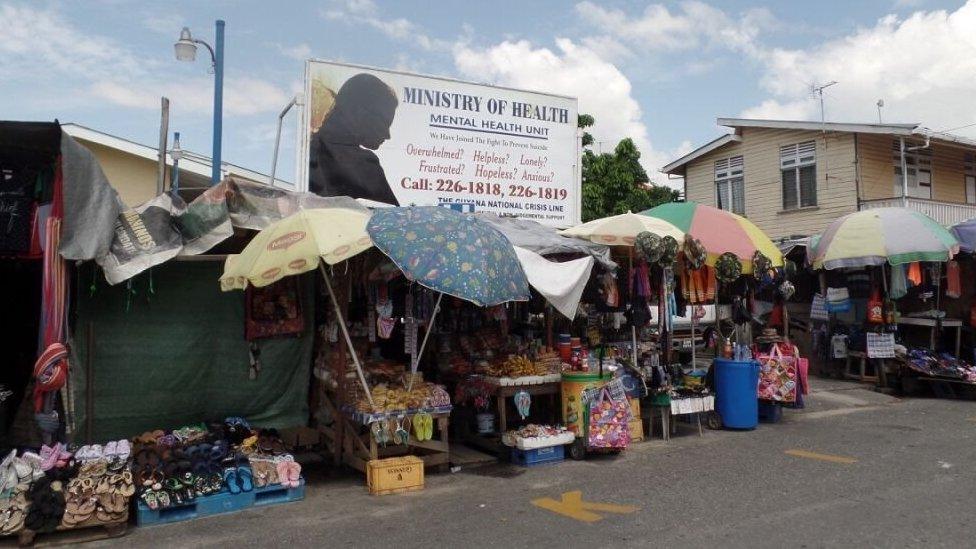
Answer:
(394, 475)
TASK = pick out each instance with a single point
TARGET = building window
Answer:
(919, 166)
(730, 188)
(970, 161)
(798, 165)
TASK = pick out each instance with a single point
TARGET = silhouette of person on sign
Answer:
(341, 160)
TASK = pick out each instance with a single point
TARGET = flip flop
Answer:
(230, 479)
(294, 474)
(246, 477)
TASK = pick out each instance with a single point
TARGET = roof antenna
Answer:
(880, 104)
(819, 91)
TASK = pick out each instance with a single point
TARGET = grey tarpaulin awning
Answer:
(545, 240)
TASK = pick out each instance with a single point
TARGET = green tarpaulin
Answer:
(172, 352)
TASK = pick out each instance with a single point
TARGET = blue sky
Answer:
(658, 72)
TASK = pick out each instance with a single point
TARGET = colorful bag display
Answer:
(777, 376)
(609, 421)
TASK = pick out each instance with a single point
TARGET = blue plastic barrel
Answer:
(735, 393)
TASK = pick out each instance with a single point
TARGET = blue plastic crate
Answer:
(224, 502)
(538, 456)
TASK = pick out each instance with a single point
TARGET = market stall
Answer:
(883, 278)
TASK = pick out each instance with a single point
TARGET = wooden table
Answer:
(933, 323)
(358, 446)
(505, 392)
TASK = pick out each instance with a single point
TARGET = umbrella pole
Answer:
(633, 328)
(423, 344)
(345, 334)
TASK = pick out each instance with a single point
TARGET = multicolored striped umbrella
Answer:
(719, 231)
(873, 237)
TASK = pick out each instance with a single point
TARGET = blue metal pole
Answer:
(218, 100)
(175, 183)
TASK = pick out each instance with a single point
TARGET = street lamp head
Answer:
(185, 47)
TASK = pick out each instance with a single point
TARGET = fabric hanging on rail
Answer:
(953, 282)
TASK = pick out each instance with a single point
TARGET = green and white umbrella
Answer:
(884, 235)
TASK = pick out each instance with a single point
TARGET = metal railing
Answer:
(945, 213)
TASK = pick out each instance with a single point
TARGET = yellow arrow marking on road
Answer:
(821, 457)
(572, 505)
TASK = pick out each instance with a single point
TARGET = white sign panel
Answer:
(406, 139)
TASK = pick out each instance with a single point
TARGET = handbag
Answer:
(608, 425)
(880, 345)
(838, 300)
(777, 376)
(818, 308)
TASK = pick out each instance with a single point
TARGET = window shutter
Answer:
(789, 189)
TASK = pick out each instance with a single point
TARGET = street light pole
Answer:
(186, 50)
(218, 108)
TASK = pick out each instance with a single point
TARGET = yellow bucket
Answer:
(573, 385)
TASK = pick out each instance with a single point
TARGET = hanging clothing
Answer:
(898, 286)
(915, 274)
(953, 282)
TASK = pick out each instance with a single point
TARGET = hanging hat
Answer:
(728, 268)
(760, 265)
(786, 289)
(695, 253)
(669, 251)
(648, 246)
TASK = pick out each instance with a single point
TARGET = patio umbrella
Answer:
(873, 237)
(451, 253)
(621, 230)
(719, 231)
(295, 245)
(965, 233)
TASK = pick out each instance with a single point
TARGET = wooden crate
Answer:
(394, 475)
(636, 430)
(635, 410)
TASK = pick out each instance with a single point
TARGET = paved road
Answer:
(882, 472)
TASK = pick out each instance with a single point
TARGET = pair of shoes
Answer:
(56, 456)
(90, 452)
(289, 472)
(118, 449)
(239, 479)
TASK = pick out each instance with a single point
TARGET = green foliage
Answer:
(585, 121)
(615, 183)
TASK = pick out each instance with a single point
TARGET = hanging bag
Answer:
(609, 421)
(777, 376)
(875, 308)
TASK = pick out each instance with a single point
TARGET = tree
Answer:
(615, 183)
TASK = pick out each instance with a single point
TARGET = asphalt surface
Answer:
(883, 472)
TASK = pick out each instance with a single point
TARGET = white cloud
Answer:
(40, 46)
(922, 66)
(367, 13)
(692, 26)
(165, 24)
(300, 52)
(571, 69)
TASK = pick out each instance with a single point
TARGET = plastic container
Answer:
(574, 383)
(735, 393)
(538, 456)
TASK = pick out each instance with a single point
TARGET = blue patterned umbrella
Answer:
(449, 252)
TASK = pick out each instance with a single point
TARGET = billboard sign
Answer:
(407, 139)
